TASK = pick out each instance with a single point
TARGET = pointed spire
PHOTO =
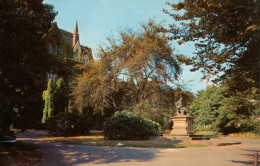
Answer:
(75, 34)
(76, 30)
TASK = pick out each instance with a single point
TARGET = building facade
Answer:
(66, 45)
(80, 53)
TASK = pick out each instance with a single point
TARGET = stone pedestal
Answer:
(182, 125)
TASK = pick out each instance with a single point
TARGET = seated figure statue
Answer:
(181, 110)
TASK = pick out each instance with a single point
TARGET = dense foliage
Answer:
(125, 125)
(55, 98)
(61, 96)
(24, 60)
(214, 109)
(205, 107)
(235, 115)
(67, 124)
(160, 107)
(48, 100)
(135, 63)
(226, 35)
(132, 73)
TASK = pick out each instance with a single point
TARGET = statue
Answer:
(182, 122)
(181, 110)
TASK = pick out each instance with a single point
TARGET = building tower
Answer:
(75, 35)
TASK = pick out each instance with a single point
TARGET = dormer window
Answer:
(50, 48)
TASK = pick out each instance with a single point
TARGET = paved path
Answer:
(57, 154)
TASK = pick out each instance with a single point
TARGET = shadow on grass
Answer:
(114, 143)
(97, 139)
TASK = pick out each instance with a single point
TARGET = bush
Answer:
(125, 125)
(67, 124)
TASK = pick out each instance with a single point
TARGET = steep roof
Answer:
(68, 36)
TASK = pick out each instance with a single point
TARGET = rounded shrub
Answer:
(67, 124)
(125, 125)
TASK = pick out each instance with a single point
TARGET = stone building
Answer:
(66, 45)
(80, 53)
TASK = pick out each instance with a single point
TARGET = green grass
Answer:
(244, 135)
(206, 133)
(210, 134)
(97, 139)
(241, 135)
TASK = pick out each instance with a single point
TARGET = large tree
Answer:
(24, 59)
(216, 110)
(129, 72)
(205, 107)
(226, 34)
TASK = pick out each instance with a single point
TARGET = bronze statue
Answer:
(181, 110)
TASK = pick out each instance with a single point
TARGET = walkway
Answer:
(57, 154)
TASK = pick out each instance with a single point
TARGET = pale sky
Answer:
(98, 19)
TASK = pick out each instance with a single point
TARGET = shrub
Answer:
(125, 125)
(67, 124)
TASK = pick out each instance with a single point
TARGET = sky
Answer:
(99, 19)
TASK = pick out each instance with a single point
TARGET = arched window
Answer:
(56, 49)
(76, 54)
(50, 48)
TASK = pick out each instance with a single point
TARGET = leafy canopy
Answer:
(24, 60)
(128, 70)
(226, 33)
(213, 109)
(205, 106)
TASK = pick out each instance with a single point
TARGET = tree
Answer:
(56, 99)
(61, 96)
(48, 100)
(235, 115)
(214, 109)
(160, 106)
(128, 72)
(226, 34)
(205, 107)
(24, 60)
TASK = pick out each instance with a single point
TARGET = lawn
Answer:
(240, 135)
(96, 138)
(245, 135)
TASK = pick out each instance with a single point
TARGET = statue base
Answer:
(182, 126)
